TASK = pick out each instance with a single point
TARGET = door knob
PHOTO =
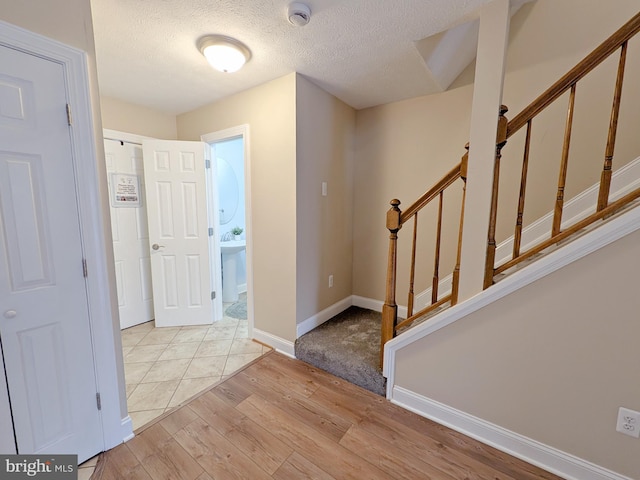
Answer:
(10, 314)
(155, 246)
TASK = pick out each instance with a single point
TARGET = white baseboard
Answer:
(375, 305)
(321, 317)
(127, 429)
(548, 458)
(279, 344)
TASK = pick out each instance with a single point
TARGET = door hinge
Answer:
(207, 163)
(69, 117)
(98, 401)
(211, 231)
(213, 295)
(85, 271)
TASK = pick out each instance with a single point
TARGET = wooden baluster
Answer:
(605, 178)
(517, 237)
(436, 266)
(562, 177)
(412, 275)
(456, 270)
(501, 140)
(390, 309)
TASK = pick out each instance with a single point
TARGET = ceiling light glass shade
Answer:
(224, 53)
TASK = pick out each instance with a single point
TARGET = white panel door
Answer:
(130, 239)
(178, 232)
(44, 319)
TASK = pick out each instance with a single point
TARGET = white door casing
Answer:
(44, 310)
(178, 232)
(130, 235)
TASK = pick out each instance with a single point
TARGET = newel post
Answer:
(501, 140)
(390, 309)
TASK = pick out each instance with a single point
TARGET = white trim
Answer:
(548, 458)
(375, 305)
(92, 202)
(321, 317)
(609, 232)
(624, 180)
(279, 344)
(127, 425)
(119, 136)
(226, 134)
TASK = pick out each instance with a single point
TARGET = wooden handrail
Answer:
(591, 61)
(559, 231)
(432, 193)
(395, 220)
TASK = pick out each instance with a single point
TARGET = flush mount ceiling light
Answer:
(225, 54)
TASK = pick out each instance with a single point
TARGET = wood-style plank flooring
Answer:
(283, 419)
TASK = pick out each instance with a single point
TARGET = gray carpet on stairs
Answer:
(347, 346)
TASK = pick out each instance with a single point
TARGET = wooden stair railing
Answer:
(605, 207)
(395, 220)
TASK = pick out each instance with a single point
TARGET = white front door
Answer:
(130, 239)
(178, 232)
(44, 319)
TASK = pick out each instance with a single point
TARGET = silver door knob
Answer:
(155, 246)
(10, 314)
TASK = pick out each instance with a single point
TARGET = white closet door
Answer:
(44, 315)
(130, 239)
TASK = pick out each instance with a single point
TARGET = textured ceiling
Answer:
(362, 51)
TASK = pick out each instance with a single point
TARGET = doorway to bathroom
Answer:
(231, 187)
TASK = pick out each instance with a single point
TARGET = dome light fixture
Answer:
(225, 54)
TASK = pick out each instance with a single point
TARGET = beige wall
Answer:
(552, 361)
(325, 149)
(404, 147)
(130, 118)
(269, 110)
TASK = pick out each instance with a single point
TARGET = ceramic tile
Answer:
(206, 367)
(190, 334)
(130, 388)
(226, 322)
(159, 336)
(166, 370)
(145, 327)
(134, 372)
(143, 417)
(242, 332)
(221, 333)
(144, 353)
(132, 339)
(126, 350)
(85, 473)
(235, 362)
(245, 345)
(214, 348)
(179, 350)
(152, 396)
(92, 462)
(191, 386)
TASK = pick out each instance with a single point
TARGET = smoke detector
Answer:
(298, 14)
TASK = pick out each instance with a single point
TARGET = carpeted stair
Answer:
(347, 346)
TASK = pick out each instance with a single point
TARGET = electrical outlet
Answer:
(330, 281)
(628, 422)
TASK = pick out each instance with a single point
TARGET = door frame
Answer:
(95, 231)
(228, 134)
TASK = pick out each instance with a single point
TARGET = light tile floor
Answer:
(163, 367)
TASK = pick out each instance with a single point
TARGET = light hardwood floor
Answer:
(282, 419)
